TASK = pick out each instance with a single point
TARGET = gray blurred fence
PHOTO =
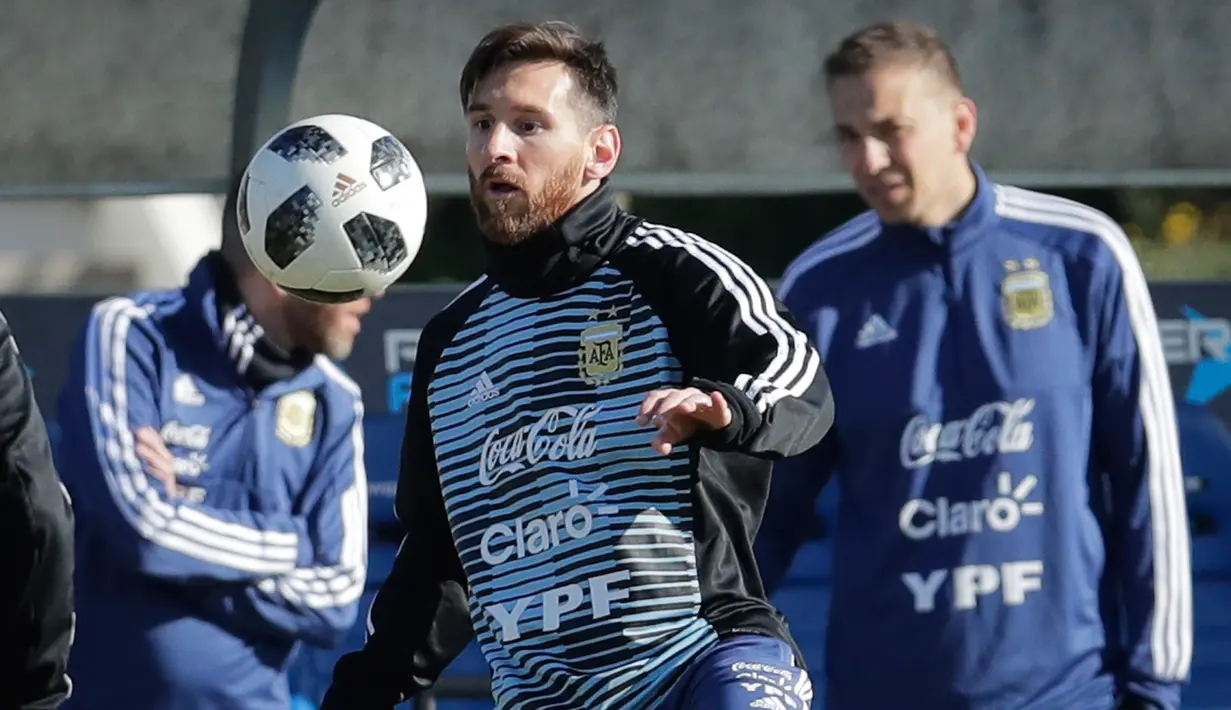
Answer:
(119, 93)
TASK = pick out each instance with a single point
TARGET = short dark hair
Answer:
(895, 42)
(546, 42)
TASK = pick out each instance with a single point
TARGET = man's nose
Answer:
(501, 145)
(875, 156)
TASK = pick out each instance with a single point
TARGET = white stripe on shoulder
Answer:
(1171, 635)
(473, 284)
(335, 373)
(854, 234)
(795, 362)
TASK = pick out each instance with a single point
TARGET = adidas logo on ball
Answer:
(345, 188)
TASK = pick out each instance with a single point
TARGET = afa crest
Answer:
(296, 418)
(600, 355)
(1026, 296)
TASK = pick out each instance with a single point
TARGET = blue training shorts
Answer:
(742, 673)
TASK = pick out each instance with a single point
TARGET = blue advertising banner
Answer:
(1194, 323)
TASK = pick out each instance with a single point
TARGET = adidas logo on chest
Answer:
(484, 389)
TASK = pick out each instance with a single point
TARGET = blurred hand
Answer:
(680, 413)
(158, 459)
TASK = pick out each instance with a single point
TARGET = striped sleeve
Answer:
(1136, 441)
(162, 536)
(733, 335)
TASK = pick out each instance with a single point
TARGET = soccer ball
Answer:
(332, 209)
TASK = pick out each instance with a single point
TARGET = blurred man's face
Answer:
(531, 147)
(904, 134)
(324, 329)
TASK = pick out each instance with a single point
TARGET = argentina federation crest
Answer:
(296, 418)
(1026, 296)
(600, 354)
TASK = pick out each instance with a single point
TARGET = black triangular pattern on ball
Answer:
(307, 143)
(391, 162)
(291, 228)
(241, 207)
(377, 241)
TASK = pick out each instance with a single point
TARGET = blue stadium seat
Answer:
(1205, 446)
(1211, 676)
(382, 455)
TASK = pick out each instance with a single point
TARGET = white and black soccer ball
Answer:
(332, 209)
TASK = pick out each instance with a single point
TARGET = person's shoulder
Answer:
(440, 329)
(661, 248)
(143, 312)
(450, 318)
(339, 386)
(1079, 231)
(849, 240)
(648, 239)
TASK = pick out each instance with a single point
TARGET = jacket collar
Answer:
(564, 254)
(967, 227)
(256, 359)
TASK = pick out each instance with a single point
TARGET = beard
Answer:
(319, 330)
(520, 214)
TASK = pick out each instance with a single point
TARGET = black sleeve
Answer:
(419, 621)
(733, 336)
(36, 557)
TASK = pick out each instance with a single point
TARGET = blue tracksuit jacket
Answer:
(199, 601)
(1011, 529)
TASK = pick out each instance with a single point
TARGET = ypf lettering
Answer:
(560, 601)
(1013, 580)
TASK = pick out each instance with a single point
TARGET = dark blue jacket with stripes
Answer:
(591, 568)
(199, 600)
(1011, 529)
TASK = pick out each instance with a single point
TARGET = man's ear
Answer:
(605, 147)
(967, 125)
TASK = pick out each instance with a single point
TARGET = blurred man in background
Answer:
(590, 431)
(36, 549)
(1012, 530)
(216, 456)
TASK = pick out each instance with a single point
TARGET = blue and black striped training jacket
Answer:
(538, 518)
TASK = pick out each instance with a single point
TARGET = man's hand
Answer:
(160, 462)
(679, 413)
